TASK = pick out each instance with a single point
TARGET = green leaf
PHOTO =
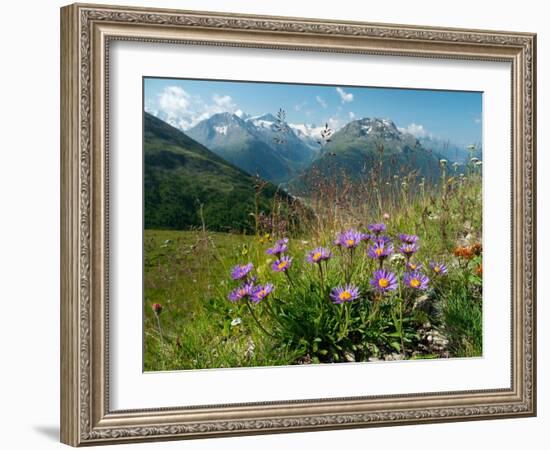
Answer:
(396, 345)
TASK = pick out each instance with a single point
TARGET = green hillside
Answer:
(181, 176)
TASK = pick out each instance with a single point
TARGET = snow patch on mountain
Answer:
(221, 130)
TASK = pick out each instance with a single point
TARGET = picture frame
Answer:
(87, 32)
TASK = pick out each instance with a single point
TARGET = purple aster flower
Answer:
(349, 239)
(408, 249)
(412, 266)
(261, 291)
(367, 237)
(380, 250)
(416, 280)
(318, 255)
(383, 239)
(376, 228)
(282, 264)
(240, 271)
(279, 247)
(408, 238)
(243, 291)
(438, 268)
(343, 294)
(384, 281)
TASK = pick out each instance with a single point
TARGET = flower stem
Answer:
(289, 279)
(401, 326)
(322, 278)
(257, 321)
(350, 268)
(160, 329)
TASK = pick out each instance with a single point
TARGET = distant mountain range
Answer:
(214, 164)
(255, 145)
(287, 155)
(181, 177)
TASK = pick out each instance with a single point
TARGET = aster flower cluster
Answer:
(248, 290)
(385, 280)
(372, 280)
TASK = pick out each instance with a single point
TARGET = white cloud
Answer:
(321, 102)
(351, 115)
(224, 101)
(416, 130)
(300, 106)
(182, 110)
(173, 100)
(346, 97)
(477, 120)
(335, 123)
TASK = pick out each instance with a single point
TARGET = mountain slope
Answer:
(180, 175)
(287, 144)
(356, 149)
(251, 143)
(232, 138)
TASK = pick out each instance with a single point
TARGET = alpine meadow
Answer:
(293, 224)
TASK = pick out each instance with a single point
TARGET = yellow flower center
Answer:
(242, 291)
(415, 282)
(383, 282)
(282, 265)
(316, 256)
(262, 293)
(437, 269)
(345, 295)
(378, 251)
(350, 242)
(413, 266)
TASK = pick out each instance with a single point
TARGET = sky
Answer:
(452, 115)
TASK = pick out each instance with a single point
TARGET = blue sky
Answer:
(452, 115)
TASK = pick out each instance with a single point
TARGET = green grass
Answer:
(187, 272)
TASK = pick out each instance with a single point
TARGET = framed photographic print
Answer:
(276, 224)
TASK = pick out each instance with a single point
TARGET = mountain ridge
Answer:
(186, 183)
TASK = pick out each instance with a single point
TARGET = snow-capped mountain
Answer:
(255, 144)
(308, 133)
(356, 149)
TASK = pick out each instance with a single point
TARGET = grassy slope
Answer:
(187, 272)
(181, 174)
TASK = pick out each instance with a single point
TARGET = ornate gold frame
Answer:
(86, 31)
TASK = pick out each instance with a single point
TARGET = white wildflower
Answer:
(397, 257)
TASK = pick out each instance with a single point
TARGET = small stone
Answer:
(349, 357)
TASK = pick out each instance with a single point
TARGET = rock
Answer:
(394, 357)
(349, 356)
